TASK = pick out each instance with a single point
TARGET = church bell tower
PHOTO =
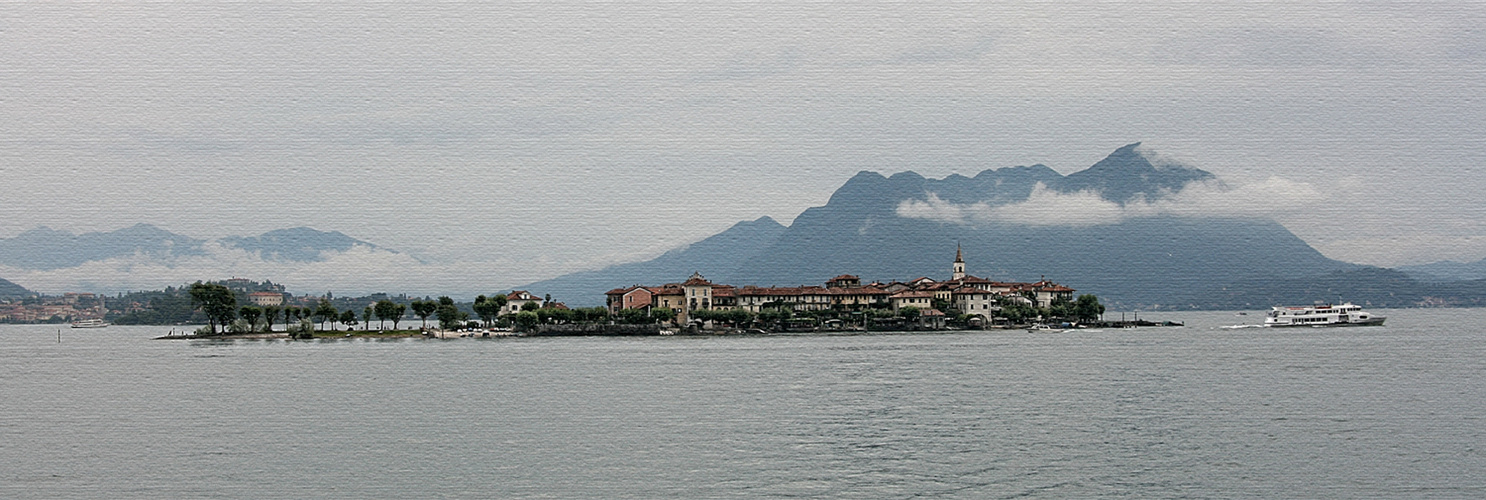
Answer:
(959, 270)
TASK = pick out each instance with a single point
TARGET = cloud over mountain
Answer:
(298, 244)
(1045, 206)
(1132, 182)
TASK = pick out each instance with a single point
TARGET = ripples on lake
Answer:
(1200, 411)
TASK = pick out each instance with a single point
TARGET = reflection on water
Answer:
(1203, 410)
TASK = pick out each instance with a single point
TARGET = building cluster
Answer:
(977, 297)
(67, 307)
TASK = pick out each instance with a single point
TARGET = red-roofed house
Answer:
(518, 298)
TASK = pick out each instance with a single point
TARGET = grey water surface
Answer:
(1201, 411)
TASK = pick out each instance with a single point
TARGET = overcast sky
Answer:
(528, 139)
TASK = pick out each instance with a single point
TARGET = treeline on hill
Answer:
(173, 305)
(1371, 287)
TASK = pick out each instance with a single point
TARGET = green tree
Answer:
(423, 309)
(348, 317)
(384, 309)
(216, 302)
(1017, 311)
(398, 310)
(772, 317)
(527, 320)
(598, 314)
(1087, 308)
(325, 311)
(449, 315)
(500, 300)
(485, 308)
(269, 312)
(663, 315)
(251, 314)
(633, 316)
(1060, 307)
(530, 306)
(366, 316)
(561, 316)
(910, 313)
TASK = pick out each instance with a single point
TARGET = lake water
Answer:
(1199, 411)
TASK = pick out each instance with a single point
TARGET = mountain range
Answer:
(1447, 271)
(298, 244)
(906, 226)
(1108, 230)
(45, 249)
(12, 290)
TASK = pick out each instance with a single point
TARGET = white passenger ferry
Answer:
(89, 323)
(1347, 314)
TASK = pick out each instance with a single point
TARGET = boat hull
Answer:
(1373, 321)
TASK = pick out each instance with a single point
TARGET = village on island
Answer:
(844, 303)
(694, 306)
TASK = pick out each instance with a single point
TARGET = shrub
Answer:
(239, 326)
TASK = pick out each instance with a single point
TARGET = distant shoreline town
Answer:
(245, 307)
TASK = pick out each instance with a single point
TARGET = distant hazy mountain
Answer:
(299, 244)
(46, 249)
(716, 257)
(1150, 261)
(1369, 286)
(8, 289)
(1447, 271)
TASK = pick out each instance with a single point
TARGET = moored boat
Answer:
(1347, 314)
(89, 323)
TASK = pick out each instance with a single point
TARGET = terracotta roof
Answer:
(863, 290)
(779, 291)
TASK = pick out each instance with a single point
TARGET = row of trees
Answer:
(1084, 309)
(219, 305)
